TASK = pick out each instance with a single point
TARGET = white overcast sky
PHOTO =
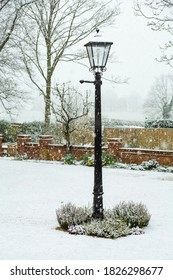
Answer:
(135, 47)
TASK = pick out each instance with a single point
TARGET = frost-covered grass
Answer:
(30, 193)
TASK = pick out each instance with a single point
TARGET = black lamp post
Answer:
(98, 52)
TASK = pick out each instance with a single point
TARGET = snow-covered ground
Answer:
(30, 192)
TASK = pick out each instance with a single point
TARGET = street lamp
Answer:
(98, 52)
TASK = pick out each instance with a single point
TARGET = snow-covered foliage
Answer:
(107, 160)
(145, 165)
(69, 159)
(133, 214)
(137, 231)
(88, 160)
(21, 157)
(108, 122)
(159, 124)
(124, 219)
(71, 215)
(78, 229)
(108, 228)
(151, 164)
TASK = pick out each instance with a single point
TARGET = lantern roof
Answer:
(98, 52)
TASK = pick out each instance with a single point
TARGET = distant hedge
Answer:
(159, 124)
(10, 130)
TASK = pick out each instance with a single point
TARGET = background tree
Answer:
(50, 31)
(10, 14)
(159, 14)
(69, 106)
(160, 100)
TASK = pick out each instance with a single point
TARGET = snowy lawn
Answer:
(30, 192)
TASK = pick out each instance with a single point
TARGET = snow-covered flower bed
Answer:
(124, 219)
(109, 161)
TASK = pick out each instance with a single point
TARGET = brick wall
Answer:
(137, 155)
(46, 150)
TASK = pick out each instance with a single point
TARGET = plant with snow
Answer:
(78, 229)
(136, 231)
(69, 159)
(124, 219)
(134, 214)
(88, 160)
(109, 227)
(71, 215)
(107, 159)
(21, 157)
(149, 165)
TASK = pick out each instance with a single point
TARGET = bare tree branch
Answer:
(159, 103)
(159, 15)
(51, 30)
(69, 106)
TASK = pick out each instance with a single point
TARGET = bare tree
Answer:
(10, 14)
(159, 14)
(160, 100)
(51, 30)
(69, 106)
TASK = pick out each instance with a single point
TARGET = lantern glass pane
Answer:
(90, 55)
(98, 53)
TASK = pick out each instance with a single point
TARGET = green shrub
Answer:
(5, 128)
(69, 159)
(107, 159)
(21, 157)
(69, 215)
(88, 160)
(124, 219)
(108, 228)
(134, 214)
(150, 165)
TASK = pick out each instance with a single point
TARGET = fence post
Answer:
(114, 146)
(21, 143)
(44, 141)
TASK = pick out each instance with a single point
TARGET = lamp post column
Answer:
(98, 187)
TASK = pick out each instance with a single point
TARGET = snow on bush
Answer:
(124, 219)
(107, 160)
(21, 157)
(109, 227)
(149, 165)
(78, 229)
(133, 214)
(69, 159)
(70, 215)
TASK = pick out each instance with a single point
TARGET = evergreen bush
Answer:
(5, 128)
(133, 214)
(108, 228)
(149, 165)
(71, 215)
(107, 159)
(122, 220)
(69, 159)
(88, 160)
(163, 123)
